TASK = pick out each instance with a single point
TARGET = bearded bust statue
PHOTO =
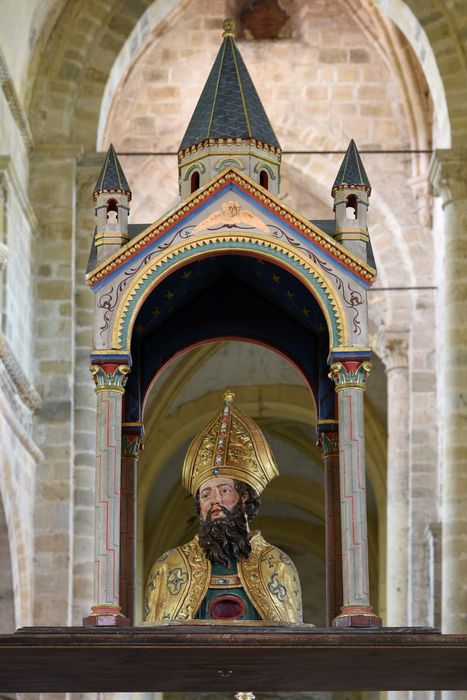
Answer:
(227, 572)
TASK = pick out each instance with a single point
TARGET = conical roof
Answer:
(229, 106)
(112, 178)
(351, 171)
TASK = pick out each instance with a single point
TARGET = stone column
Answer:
(448, 173)
(131, 446)
(328, 438)
(110, 380)
(394, 353)
(349, 376)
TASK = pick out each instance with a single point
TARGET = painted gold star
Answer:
(305, 311)
(156, 311)
(140, 328)
(186, 275)
(290, 294)
(276, 278)
(169, 295)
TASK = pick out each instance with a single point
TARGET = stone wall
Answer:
(342, 70)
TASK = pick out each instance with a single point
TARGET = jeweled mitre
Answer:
(230, 445)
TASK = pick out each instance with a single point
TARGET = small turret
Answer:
(351, 191)
(112, 196)
(229, 127)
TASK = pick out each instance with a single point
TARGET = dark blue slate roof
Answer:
(229, 106)
(112, 177)
(351, 171)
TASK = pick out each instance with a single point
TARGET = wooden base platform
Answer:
(216, 657)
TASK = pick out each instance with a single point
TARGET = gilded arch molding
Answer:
(252, 244)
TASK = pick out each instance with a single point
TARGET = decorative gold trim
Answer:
(196, 246)
(302, 225)
(245, 110)
(344, 235)
(221, 154)
(227, 581)
(230, 445)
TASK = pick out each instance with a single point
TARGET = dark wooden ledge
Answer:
(209, 657)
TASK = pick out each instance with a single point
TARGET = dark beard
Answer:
(225, 539)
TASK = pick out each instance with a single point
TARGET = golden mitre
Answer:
(230, 445)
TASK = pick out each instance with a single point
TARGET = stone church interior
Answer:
(80, 79)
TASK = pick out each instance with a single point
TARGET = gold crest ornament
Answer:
(231, 445)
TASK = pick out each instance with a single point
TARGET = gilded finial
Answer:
(229, 396)
(228, 25)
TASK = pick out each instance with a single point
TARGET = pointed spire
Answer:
(229, 106)
(112, 178)
(352, 173)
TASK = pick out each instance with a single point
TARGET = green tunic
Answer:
(213, 600)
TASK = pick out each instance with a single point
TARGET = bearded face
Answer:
(225, 514)
(225, 539)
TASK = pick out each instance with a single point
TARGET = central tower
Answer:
(229, 127)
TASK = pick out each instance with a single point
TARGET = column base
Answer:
(102, 616)
(357, 616)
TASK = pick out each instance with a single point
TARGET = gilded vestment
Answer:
(179, 580)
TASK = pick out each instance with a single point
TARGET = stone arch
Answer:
(76, 81)
(408, 18)
(400, 242)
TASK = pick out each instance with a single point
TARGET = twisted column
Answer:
(132, 439)
(349, 377)
(328, 439)
(110, 380)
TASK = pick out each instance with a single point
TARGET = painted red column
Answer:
(349, 376)
(328, 438)
(110, 380)
(131, 445)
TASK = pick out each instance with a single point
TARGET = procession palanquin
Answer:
(231, 260)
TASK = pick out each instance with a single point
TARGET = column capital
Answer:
(448, 174)
(131, 444)
(329, 443)
(110, 376)
(350, 374)
(393, 348)
(328, 438)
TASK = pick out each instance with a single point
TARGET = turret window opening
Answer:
(264, 179)
(112, 211)
(351, 208)
(194, 181)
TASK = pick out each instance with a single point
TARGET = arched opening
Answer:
(351, 207)
(271, 390)
(112, 211)
(264, 179)
(292, 511)
(194, 181)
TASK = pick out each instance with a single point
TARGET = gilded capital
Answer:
(110, 377)
(350, 374)
(448, 174)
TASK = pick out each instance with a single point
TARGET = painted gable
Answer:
(232, 214)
